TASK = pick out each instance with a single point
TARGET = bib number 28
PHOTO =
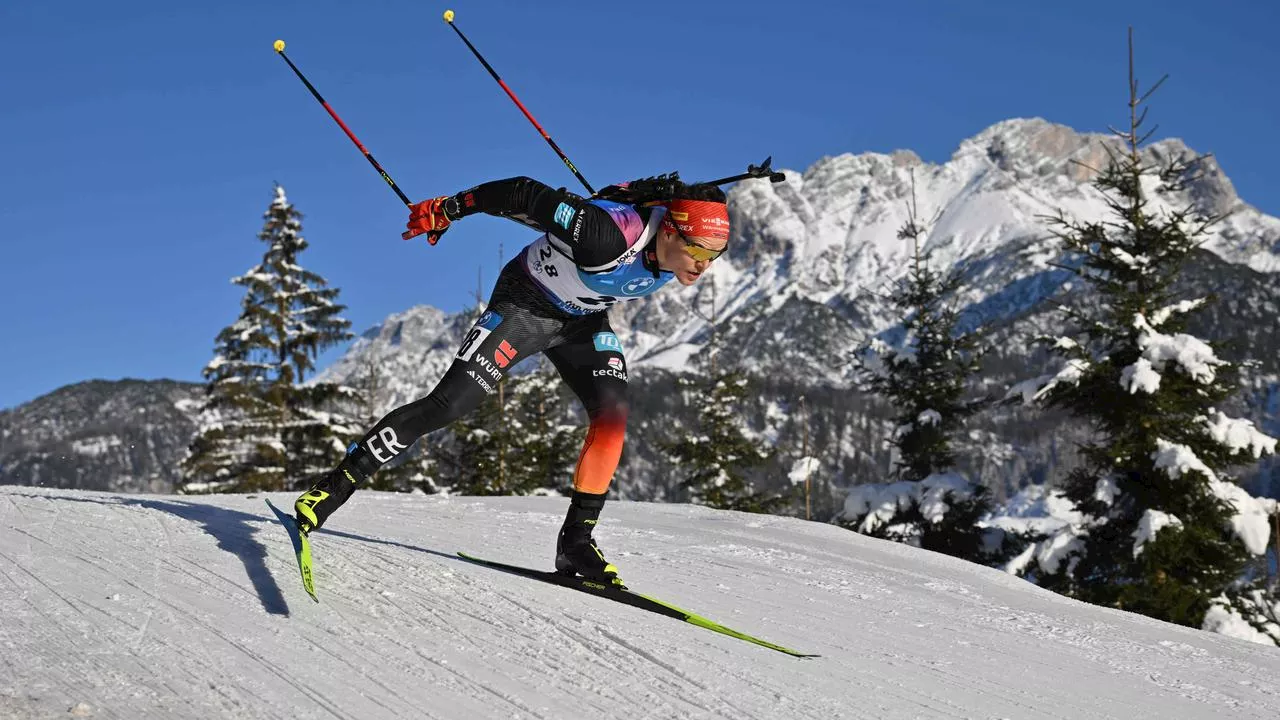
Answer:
(487, 323)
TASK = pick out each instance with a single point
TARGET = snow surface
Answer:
(161, 606)
(880, 502)
(803, 469)
(1193, 354)
(1141, 375)
(1252, 519)
(1228, 622)
(97, 445)
(1151, 523)
(1240, 436)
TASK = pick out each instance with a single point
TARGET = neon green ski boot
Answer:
(576, 552)
(315, 506)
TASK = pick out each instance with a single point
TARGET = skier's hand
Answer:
(430, 217)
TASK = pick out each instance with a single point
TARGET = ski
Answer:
(629, 597)
(301, 548)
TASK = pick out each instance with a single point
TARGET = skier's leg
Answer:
(503, 336)
(593, 366)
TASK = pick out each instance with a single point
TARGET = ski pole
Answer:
(448, 17)
(279, 47)
(753, 171)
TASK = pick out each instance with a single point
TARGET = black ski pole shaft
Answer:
(279, 47)
(753, 171)
(448, 17)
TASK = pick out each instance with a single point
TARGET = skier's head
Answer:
(694, 231)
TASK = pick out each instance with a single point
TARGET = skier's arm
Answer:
(588, 232)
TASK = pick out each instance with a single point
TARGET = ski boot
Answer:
(314, 506)
(576, 552)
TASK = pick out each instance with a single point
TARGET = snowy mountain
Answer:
(812, 258)
(804, 282)
(828, 236)
(404, 357)
(125, 436)
(146, 606)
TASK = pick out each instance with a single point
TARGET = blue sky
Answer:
(141, 139)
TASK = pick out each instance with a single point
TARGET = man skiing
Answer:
(551, 298)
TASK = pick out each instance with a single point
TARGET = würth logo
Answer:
(504, 354)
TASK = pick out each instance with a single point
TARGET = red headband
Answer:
(699, 218)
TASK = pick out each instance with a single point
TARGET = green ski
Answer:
(629, 597)
(301, 547)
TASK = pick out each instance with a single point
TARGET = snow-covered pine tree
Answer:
(520, 441)
(716, 457)
(1165, 531)
(472, 458)
(273, 432)
(236, 439)
(925, 379)
(412, 469)
(544, 440)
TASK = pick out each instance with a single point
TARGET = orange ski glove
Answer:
(430, 217)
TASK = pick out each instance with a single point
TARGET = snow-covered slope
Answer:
(157, 607)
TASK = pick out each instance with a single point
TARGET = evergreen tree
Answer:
(235, 440)
(715, 458)
(267, 429)
(410, 470)
(926, 377)
(520, 441)
(474, 456)
(1165, 531)
(544, 442)
(925, 380)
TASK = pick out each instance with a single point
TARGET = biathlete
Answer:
(551, 298)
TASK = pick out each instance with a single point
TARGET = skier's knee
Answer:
(609, 407)
(443, 407)
(428, 414)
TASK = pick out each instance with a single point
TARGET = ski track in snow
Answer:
(158, 606)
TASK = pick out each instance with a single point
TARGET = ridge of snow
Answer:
(147, 606)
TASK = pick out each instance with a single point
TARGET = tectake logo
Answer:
(615, 363)
(636, 286)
